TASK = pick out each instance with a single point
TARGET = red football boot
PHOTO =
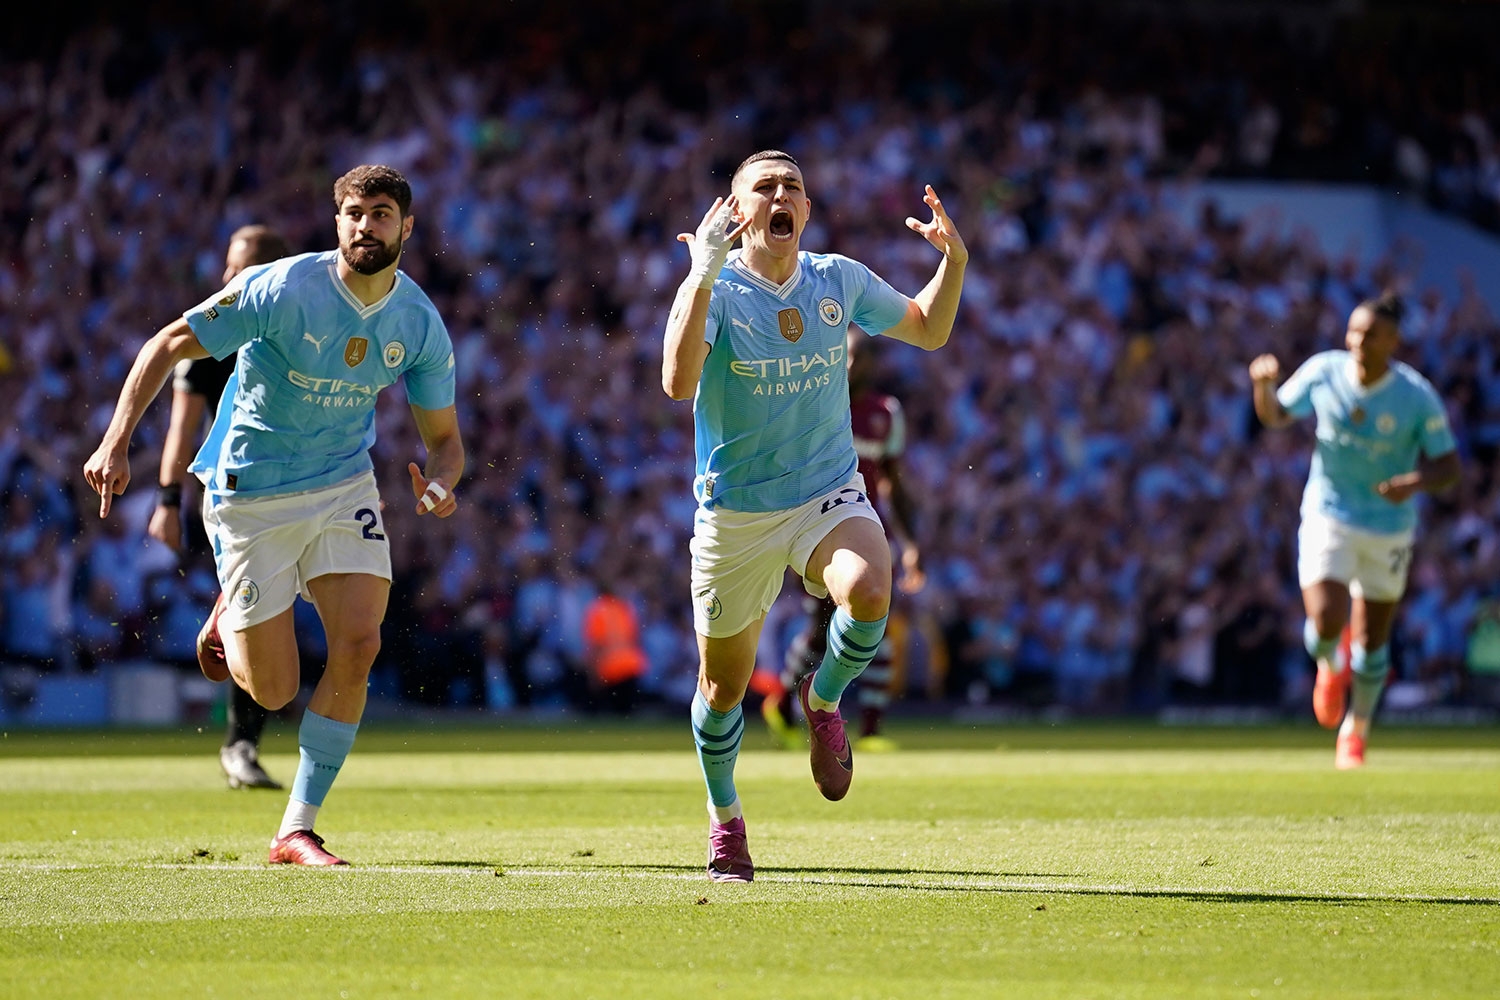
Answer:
(302, 847)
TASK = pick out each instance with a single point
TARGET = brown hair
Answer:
(373, 179)
(764, 154)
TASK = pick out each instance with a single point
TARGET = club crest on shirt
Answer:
(354, 351)
(246, 594)
(1386, 423)
(395, 353)
(708, 602)
(790, 321)
(831, 311)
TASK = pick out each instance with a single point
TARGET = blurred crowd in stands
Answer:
(1104, 527)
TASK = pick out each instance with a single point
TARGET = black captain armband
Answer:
(169, 496)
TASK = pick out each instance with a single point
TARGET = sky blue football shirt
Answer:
(1365, 436)
(771, 415)
(299, 411)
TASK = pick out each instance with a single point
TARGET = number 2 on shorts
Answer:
(369, 519)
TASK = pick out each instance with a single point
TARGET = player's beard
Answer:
(371, 260)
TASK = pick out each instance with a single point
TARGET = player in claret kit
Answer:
(290, 497)
(1375, 418)
(757, 339)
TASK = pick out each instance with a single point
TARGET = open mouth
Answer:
(781, 226)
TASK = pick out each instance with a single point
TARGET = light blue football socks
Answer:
(852, 644)
(324, 744)
(1318, 647)
(1370, 670)
(717, 736)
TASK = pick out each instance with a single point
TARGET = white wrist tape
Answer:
(711, 248)
(435, 494)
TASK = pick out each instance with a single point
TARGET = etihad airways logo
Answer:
(333, 392)
(784, 376)
(787, 367)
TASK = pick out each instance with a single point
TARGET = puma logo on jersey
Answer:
(744, 326)
(317, 342)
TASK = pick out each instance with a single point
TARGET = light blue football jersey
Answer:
(1365, 436)
(771, 414)
(299, 411)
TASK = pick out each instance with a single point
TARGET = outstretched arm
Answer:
(683, 347)
(1265, 373)
(108, 469)
(929, 316)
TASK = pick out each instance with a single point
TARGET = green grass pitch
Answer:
(1085, 861)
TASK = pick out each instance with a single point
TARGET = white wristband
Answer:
(704, 276)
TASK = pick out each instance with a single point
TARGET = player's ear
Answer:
(406, 225)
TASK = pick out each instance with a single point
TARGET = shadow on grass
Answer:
(836, 872)
(849, 877)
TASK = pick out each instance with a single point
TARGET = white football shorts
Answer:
(740, 558)
(1373, 565)
(267, 548)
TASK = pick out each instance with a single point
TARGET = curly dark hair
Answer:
(372, 179)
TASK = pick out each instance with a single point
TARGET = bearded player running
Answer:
(291, 502)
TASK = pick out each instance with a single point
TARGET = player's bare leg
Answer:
(1369, 661)
(263, 660)
(1327, 605)
(352, 606)
(724, 668)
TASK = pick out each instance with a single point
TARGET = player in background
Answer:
(1382, 437)
(291, 502)
(757, 339)
(196, 388)
(879, 429)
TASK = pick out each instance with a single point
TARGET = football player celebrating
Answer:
(757, 339)
(1375, 417)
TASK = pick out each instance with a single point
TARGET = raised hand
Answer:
(1265, 369)
(913, 578)
(711, 243)
(432, 494)
(940, 232)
